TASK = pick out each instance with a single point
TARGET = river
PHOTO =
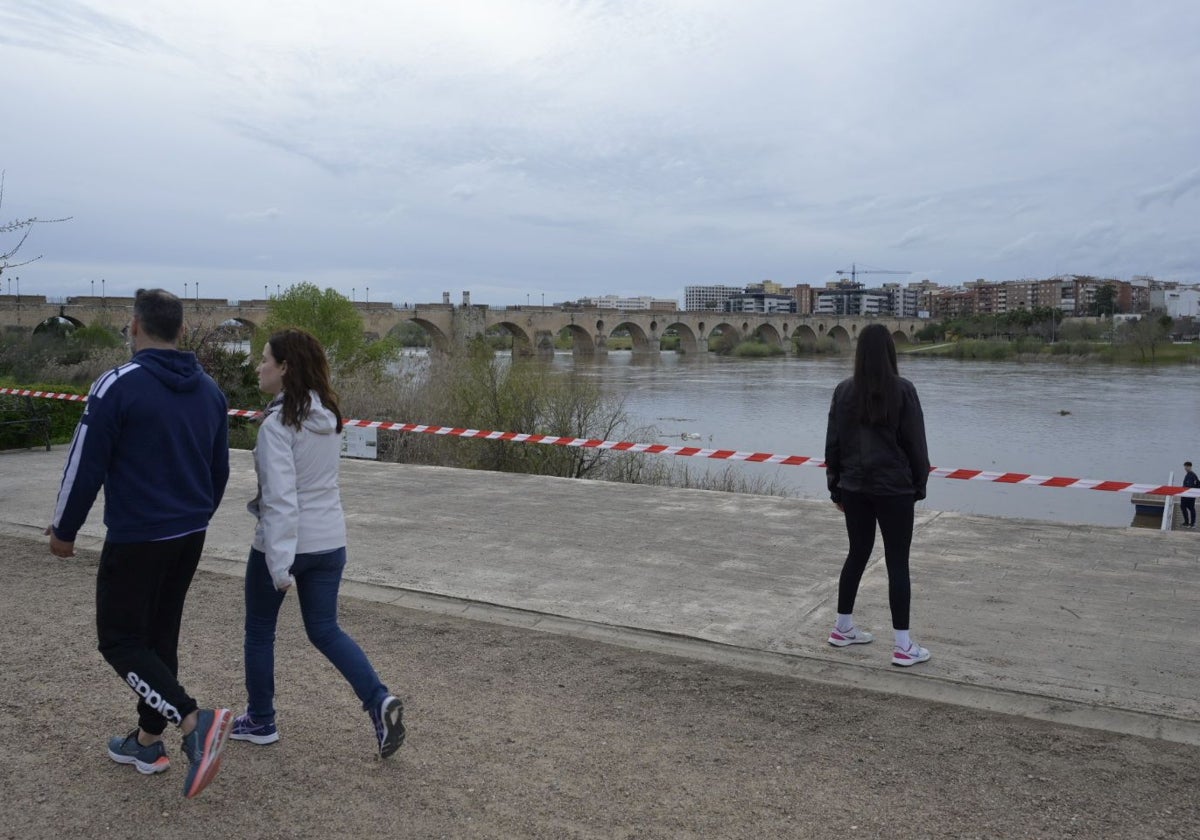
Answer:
(1080, 421)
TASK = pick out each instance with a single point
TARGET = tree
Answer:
(334, 321)
(1106, 300)
(21, 227)
(475, 389)
(1145, 334)
(933, 331)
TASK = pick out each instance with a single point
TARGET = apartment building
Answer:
(631, 304)
(708, 298)
(843, 301)
(760, 302)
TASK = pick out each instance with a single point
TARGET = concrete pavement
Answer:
(1087, 625)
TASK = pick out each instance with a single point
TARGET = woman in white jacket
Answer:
(300, 539)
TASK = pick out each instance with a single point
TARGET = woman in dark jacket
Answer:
(877, 465)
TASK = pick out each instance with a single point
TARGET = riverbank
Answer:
(1061, 352)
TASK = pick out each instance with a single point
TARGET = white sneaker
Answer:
(911, 655)
(853, 636)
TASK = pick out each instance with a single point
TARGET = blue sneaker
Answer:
(203, 747)
(147, 760)
(389, 725)
(245, 728)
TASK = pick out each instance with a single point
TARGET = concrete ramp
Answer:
(1088, 625)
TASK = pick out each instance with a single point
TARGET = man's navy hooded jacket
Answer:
(155, 435)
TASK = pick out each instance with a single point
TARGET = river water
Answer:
(1080, 421)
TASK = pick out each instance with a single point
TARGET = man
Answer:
(1188, 504)
(155, 436)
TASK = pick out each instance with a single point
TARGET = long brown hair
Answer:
(876, 377)
(307, 370)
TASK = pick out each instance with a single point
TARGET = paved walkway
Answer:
(1088, 625)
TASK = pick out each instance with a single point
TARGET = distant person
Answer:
(877, 466)
(300, 538)
(1187, 504)
(155, 435)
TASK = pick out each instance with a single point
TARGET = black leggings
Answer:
(140, 591)
(895, 517)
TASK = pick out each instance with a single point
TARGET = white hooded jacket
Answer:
(299, 505)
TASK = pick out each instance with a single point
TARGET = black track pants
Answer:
(140, 591)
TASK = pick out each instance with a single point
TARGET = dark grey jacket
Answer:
(876, 460)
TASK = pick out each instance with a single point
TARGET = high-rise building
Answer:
(708, 298)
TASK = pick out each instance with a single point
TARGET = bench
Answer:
(22, 414)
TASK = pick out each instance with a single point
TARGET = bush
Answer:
(757, 350)
(64, 414)
(475, 389)
(821, 347)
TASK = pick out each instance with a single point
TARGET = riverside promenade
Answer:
(1084, 625)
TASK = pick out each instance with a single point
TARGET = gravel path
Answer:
(519, 734)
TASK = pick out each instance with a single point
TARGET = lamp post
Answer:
(368, 294)
(93, 282)
(265, 295)
(103, 296)
(185, 291)
(353, 299)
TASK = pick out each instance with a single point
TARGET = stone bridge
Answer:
(533, 328)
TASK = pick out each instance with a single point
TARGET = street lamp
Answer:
(353, 299)
(265, 295)
(103, 297)
(93, 282)
(368, 294)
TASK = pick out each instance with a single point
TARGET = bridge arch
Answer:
(644, 343)
(804, 336)
(689, 339)
(769, 334)
(840, 336)
(582, 342)
(723, 336)
(522, 340)
(57, 324)
(437, 337)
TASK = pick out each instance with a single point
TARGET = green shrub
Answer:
(64, 414)
(757, 350)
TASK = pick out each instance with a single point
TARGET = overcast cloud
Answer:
(530, 147)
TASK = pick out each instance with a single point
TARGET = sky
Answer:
(533, 150)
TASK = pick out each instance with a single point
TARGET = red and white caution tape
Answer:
(49, 395)
(1021, 479)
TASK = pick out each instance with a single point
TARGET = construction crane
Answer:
(855, 271)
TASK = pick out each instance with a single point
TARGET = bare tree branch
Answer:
(26, 227)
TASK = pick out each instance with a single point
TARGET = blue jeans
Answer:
(318, 577)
